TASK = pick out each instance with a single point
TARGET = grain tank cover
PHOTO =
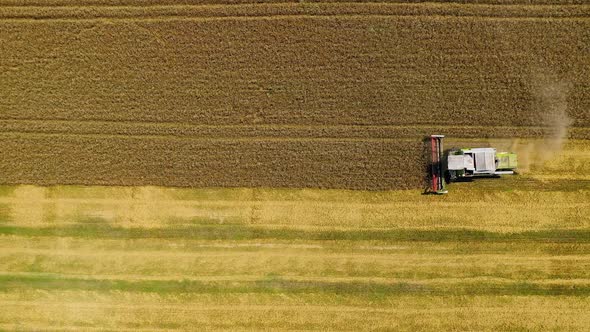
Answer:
(456, 162)
(485, 159)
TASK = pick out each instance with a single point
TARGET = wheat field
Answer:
(322, 94)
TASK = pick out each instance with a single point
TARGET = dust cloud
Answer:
(550, 99)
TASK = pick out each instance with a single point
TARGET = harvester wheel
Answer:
(450, 176)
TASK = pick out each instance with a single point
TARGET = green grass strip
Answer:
(278, 285)
(241, 232)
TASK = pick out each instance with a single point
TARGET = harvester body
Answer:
(464, 164)
(478, 162)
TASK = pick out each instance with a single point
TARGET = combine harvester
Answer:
(456, 165)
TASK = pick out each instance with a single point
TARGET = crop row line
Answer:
(210, 3)
(157, 6)
(287, 10)
(254, 136)
(250, 307)
(32, 18)
(294, 3)
(208, 139)
(243, 203)
(183, 307)
(42, 121)
(326, 279)
(275, 132)
(289, 286)
(282, 232)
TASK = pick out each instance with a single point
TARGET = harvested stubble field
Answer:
(493, 255)
(319, 94)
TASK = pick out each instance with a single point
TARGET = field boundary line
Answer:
(279, 17)
(246, 203)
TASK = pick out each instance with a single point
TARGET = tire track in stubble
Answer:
(105, 128)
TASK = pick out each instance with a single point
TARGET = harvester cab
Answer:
(464, 164)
